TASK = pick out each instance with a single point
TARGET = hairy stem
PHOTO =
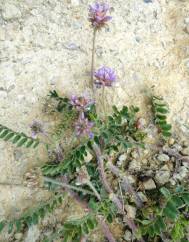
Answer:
(65, 185)
(101, 220)
(103, 100)
(114, 198)
(94, 190)
(93, 58)
(106, 229)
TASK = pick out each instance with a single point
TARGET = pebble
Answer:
(18, 236)
(88, 157)
(131, 211)
(127, 235)
(163, 175)
(163, 157)
(134, 165)
(142, 197)
(185, 143)
(182, 173)
(171, 141)
(121, 159)
(185, 151)
(135, 154)
(131, 179)
(149, 184)
(177, 147)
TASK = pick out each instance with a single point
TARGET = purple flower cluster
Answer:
(105, 76)
(36, 128)
(98, 14)
(81, 103)
(83, 127)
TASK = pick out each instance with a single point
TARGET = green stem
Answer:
(62, 184)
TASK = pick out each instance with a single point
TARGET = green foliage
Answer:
(18, 139)
(105, 208)
(119, 131)
(62, 102)
(74, 229)
(160, 110)
(32, 216)
(172, 213)
(68, 165)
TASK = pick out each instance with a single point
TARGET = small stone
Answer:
(134, 154)
(144, 161)
(163, 157)
(131, 211)
(185, 151)
(182, 173)
(122, 157)
(177, 147)
(131, 179)
(149, 184)
(171, 141)
(88, 157)
(18, 236)
(141, 123)
(163, 175)
(185, 143)
(134, 165)
(142, 197)
(10, 11)
(128, 235)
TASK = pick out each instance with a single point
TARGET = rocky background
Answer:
(46, 45)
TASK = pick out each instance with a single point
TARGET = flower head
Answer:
(36, 128)
(105, 76)
(97, 14)
(81, 103)
(83, 127)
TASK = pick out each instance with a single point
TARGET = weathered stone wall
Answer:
(46, 45)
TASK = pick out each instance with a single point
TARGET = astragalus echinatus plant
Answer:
(82, 171)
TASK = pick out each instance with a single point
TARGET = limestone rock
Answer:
(121, 159)
(163, 157)
(88, 157)
(18, 236)
(10, 11)
(134, 165)
(149, 184)
(128, 235)
(142, 197)
(185, 151)
(163, 175)
(131, 211)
